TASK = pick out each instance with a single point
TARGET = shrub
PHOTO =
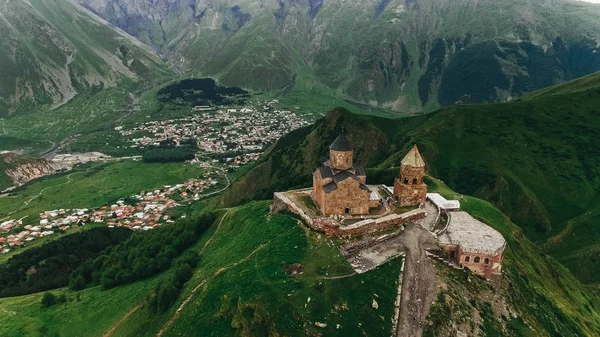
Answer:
(49, 299)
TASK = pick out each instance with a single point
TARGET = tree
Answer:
(167, 295)
(49, 299)
(77, 283)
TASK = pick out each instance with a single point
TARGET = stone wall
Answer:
(348, 195)
(333, 227)
(476, 262)
(317, 193)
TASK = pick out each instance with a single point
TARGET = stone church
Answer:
(409, 188)
(339, 185)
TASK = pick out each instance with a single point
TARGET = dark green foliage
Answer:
(201, 91)
(167, 291)
(476, 73)
(77, 283)
(145, 254)
(169, 151)
(49, 299)
(48, 266)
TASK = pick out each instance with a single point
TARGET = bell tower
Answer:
(409, 188)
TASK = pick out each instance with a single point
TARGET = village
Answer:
(139, 212)
(226, 138)
(233, 135)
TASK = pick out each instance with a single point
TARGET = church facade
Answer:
(339, 186)
(409, 188)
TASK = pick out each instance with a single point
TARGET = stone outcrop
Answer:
(24, 170)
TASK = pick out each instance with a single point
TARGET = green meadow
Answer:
(241, 288)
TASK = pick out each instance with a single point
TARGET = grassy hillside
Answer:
(93, 185)
(240, 288)
(537, 160)
(88, 186)
(53, 51)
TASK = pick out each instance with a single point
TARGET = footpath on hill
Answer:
(418, 281)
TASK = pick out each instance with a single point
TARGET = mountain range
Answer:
(407, 55)
(404, 55)
(54, 50)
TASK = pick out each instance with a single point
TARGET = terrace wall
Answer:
(333, 227)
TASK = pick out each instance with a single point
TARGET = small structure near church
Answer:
(473, 244)
(339, 185)
(409, 188)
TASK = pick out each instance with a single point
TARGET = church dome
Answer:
(341, 144)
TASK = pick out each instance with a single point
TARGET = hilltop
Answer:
(537, 160)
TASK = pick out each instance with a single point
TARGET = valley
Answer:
(299, 168)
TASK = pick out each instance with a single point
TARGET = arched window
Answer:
(406, 181)
(467, 258)
(415, 181)
(476, 259)
(486, 261)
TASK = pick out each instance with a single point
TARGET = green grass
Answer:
(246, 293)
(94, 185)
(308, 203)
(89, 186)
(256, 296)
(93, 315)
(545, 293)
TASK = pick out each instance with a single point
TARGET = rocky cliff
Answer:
(21, 170)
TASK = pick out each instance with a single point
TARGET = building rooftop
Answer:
(472, 235)
(413, 158)
(341, 143)
(326, 172)
(360, 171)
(441, 202)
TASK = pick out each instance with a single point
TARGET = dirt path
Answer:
(116, 325)
(222, 189)
(27, 202)
(418, 282)
(216, 232)
(193, 292)
(184, 302)
(337, 277)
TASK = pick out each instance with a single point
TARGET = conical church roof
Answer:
(413, 158)
(341, 143)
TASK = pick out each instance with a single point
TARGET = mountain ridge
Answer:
(405, 55)
(55, 51)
